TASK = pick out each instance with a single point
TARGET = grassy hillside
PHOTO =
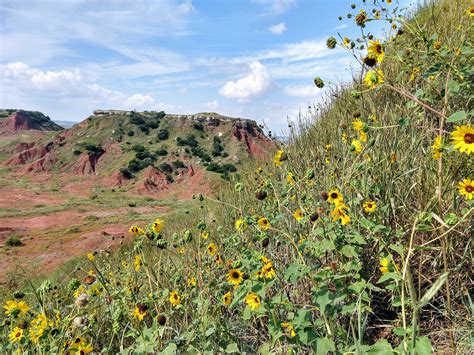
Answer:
(356, 238)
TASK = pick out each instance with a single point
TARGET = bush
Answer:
(178, 164)
(138, 148)
(165, 167)
(198, 126)
(13, 241)
(136, 119)
(144, 128)
(169, 178)
(161, 152)
(76, 152)
(130, 133)
(221, 169)
(217, 148)
(135, 165)
(190, 140)
(93, 149)
(126, 173)
(163, 134)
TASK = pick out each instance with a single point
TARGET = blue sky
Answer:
(247, 58)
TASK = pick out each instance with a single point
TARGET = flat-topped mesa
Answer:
(112, 113)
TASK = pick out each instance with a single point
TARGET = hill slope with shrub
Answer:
(356, 238)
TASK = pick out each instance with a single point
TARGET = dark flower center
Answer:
(378, 49)
(235, 275)
(369, 205)
(470, 188)
(334, 195)
(469, 138)
(18, 334)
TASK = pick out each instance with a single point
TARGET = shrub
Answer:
(217, 148)
(163, 134)
(130, 133)
(138, 148)
(14, 241)
(161, 152)
(198, 126)
(178, 164)
(76, 152)
(165, 167)
(169, 178)
(126, 173)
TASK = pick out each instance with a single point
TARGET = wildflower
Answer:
(218, 259)
(289, 328)
(370, 61)
(370, 206)
(211, 249)
(389, 2)
(376, 50)
(264, 223)
(16, 308)
(362, 136)
(339, 212)
(334, 196)
(259, 170)
(361, 18)
(384, 265)
(85, 349)
(235, 276)
(344, 137)
(437, 45)
(318, 82)
(436, 148)
(137, 262)
(393, 158)
(16, 335)
(290, 179)
(358, 125)
(314, 217)
(38, 326)
(191, 281)
(79, 322)
(345, 219)
(373, 78)
(261, 195)
(136, 231)
(181, 251)
(356, 146)
(268, 270)
(279, 158)
(470, 11)
(161, 320)
(298, 215)
(377, 15)
(158, 225)
(265, 242)
(227, 298)
(414, 73)
(463, 139)
(175, 298)
(90, 256)
(331, 42)
(346, 41)
(82, 300)
(204, 235)
(253, 301)
(140, 311)
(328, 147)
(466, 188)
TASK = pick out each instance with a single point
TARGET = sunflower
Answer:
(227, 298)
(140, 311)
(264, 223)
(298, 215)
(191, 281)
(204, 235)
(289, 328)
(463, 139)
(346, 41)
(239, 225)
(253, 301)
(38, 326)
(466, 188)
(358, 125)
(373, 78)
(235, 276)
(389, 2)
(85, 349)
(280, 157)
(334, 196)
(218, 259)
(384, 265)
(370, 206)
(437, 147)
(376, 50)
(137, 262)
(175, 298)
(339, 212)
(362, 136)
(211, 249)
(90, 256)
(16, 308)
(268, 271)
(136, 231)
(356, 146)
(158, 225)
(377, 15)
(290, 179)
(16, 335)
(470, 11)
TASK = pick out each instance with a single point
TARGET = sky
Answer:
(245, 58)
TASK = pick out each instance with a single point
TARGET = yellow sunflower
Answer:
(16, 308)
(268, 270)
(16, 335)
(470, 11)
(140, 311)
(239, 225)
(356, 146)
(218, 259)
(290, 329)
(158, 225)
(334, 196)
(466, 188)
(374, 78)
(204, 235)
(346, 41)
(191, 281)
(90, 256)
(279, 158)
(290, 179)
(235, 276)
(137, 262)
(376, 50)
(362, 136)
(463, 139)
(298, 215)
(136, 231)
(227, 299)
(175, 298)
(253, 301)
(436, 148)
(370, 206)
(358, 125)
(264, 223)
(384, 265)
(344, 137)
(211, 249)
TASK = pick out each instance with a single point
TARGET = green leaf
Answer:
(306, 336)
(428, 296)
(389, 276)
(348, 251)
(381, 347)
(170, 349)
(232, 348)
(423, 346)
(324, 345)
(457, 116)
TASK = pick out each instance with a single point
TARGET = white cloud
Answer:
(257, 82)
(301, 90)
(139, 100)
(212, 105)
(278, 29)
(276, 7)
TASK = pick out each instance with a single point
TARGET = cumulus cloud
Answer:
(139, 100)
(257, 82)
(278, 29)
(301, 90)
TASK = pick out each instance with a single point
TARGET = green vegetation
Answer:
(356, 239)
(13, 241)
